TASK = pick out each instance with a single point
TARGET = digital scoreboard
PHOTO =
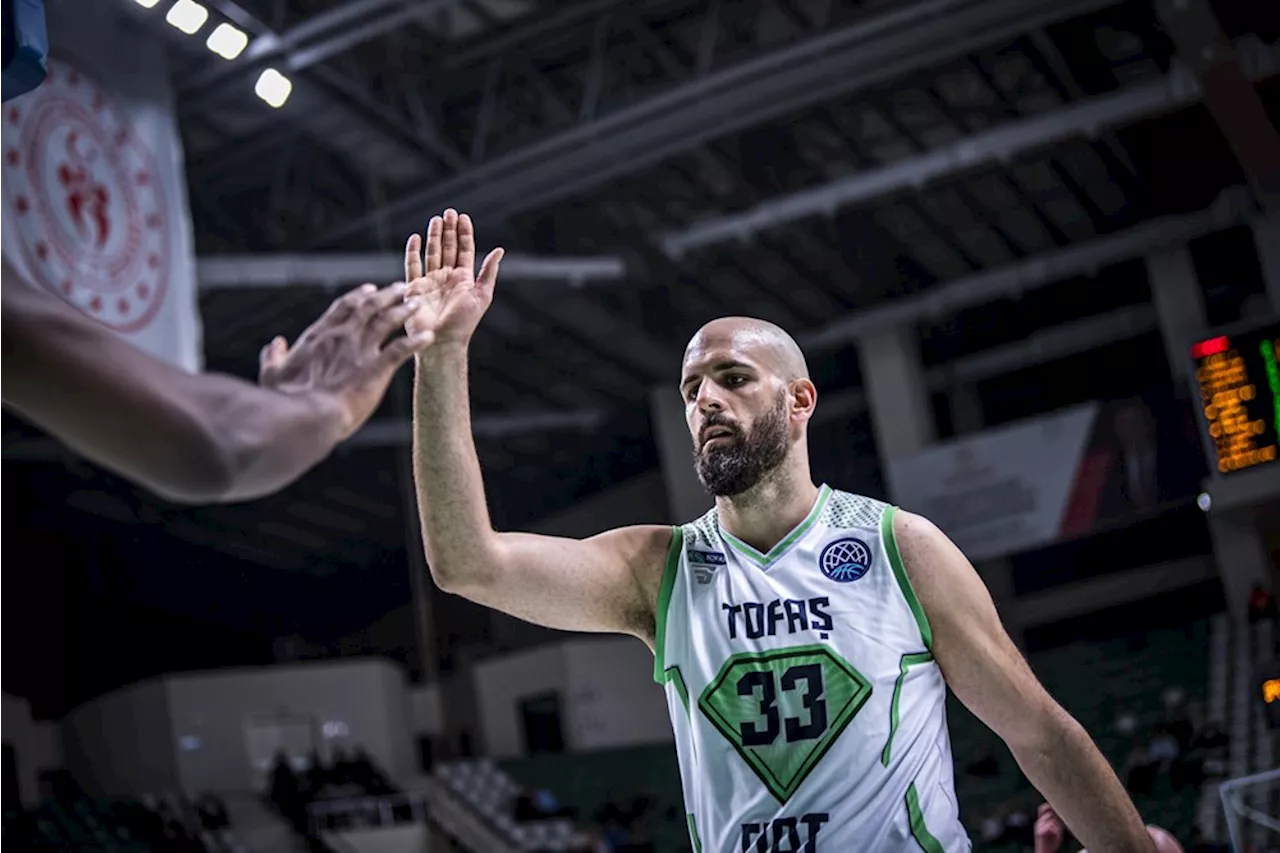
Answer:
(1239, 385)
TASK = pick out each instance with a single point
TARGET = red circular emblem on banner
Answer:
(86, 200)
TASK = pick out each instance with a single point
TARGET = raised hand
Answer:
(1050, 831)
(450, 297)
(341, 357)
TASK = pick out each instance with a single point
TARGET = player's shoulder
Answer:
(643, 547)
(914, 529)
(908, 529)
(701, 532)
(843, 509)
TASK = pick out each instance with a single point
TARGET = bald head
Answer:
(763, 342)
(748, 400)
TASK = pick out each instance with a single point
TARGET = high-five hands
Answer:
(450, 298)
(344, 356)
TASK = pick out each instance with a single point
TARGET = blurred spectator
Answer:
(1135, 433)
(1164, 748)
(539, 804)
(293, 793)
(991, 830)
(1018, 826)
(212, 812)
(1262, 605)
(1209, 736)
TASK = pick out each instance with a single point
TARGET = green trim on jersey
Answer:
(908, 661)
(664, 601)
(693, 834)
(784, 545)
(919, 831)
(673, 676)
(900, 572)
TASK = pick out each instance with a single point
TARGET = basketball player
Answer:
(199, 437)
(806, 637)
(1050, 834)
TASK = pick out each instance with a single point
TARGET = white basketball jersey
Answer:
(808, 711)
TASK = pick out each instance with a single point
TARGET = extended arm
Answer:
(189, 437)
(988, 674)
(605, 583)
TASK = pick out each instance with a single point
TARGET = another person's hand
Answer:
(451, 298)
(1050, 831)
(343, 358)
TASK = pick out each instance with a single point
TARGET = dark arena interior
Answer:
(1029, 248)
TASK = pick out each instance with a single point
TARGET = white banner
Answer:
(1002, 491)
(95, 205)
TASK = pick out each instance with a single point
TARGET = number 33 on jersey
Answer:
(808, 711)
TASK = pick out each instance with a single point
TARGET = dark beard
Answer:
(731, 469)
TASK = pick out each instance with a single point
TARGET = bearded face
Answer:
(730, 460)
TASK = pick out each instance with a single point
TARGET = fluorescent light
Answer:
(227, 41)
(273, 87)
(187, 15)
(147, 4)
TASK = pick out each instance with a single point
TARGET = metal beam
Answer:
(329, 93)
(809, 72)
(578, 310)
(391, 432)
(1042, 347)
(1000, 144)
(537, 29)
(1229, 94)
(1232, 207)
(233, 272)
(311, 41)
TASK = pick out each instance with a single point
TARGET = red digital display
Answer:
(1213, 346)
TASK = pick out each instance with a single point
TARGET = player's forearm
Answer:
(199, 438)
(264, 439)
(190, 454)
(1063, 763)
(457, 532)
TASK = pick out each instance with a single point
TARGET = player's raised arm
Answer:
(988, 674)
(199, 437)
(606, 583)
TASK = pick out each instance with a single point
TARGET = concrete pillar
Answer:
(1242, 557)
(1266, 236)
(966, 409)
(896, 392)
(1179, 305)
(902, 415)
(685, 495)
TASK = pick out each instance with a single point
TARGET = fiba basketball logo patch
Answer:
(86, 201)
(845, 560)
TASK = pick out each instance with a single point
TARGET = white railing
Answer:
(335, 843)
(464, 824)
(1244, 822)
(367, 811)
(432, 803)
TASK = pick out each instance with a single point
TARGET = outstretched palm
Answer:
(449, 297)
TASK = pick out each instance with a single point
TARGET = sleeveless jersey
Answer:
(808, 711)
